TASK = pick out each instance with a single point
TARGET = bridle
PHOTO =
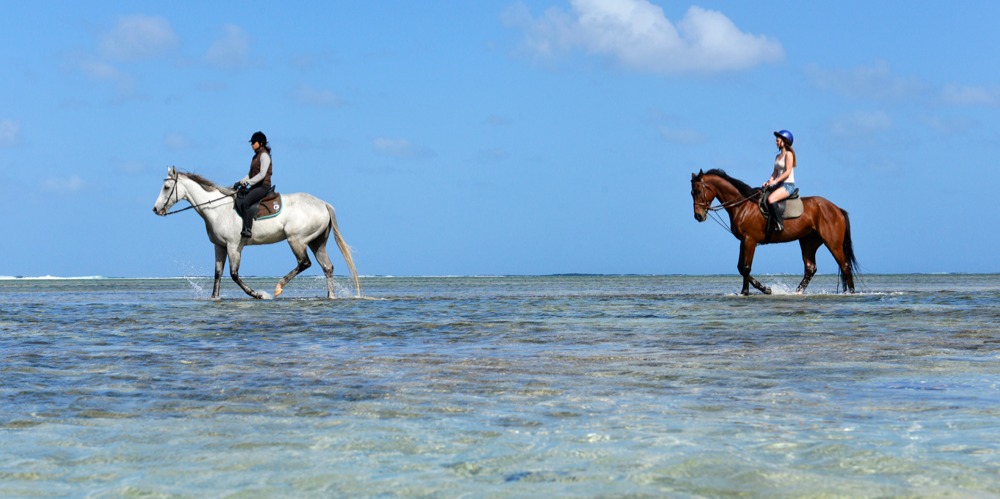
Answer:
(713, 210)
(173, 189)
(727, 204)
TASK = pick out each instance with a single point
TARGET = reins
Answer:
(197, 205)
(725, 205)
(713, 211)
(174, 189)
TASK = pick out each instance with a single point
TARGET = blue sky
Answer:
(498, 137)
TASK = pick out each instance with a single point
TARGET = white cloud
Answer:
(177, 142)
(400, 148)
(64, 184)
(134, 38)
(232, 50)
(315, 97)
(861, 125)
(131, 167)
(674, 129)
(681, 135)
(971, 95)
(949, 125)
(105, 72)
(137, 37)
(637, 35)
(876, 81)
(10, 133)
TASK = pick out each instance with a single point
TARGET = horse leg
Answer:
(846, 273)
(747, 249)
(299, 250)
(845, 267)
(836, 242)
(234, 272)
(220, 262)
(809, 246)
(745, 272)
(757, 284)
(318, 247)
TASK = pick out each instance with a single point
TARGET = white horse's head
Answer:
(172, 192)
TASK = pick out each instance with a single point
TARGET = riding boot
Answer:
(779, 214)
(248, 213)
(251, 201)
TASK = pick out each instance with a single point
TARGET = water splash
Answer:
(199, 290)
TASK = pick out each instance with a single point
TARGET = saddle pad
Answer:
(269, 207)
(793, 208)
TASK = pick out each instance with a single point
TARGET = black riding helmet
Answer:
(259, 136)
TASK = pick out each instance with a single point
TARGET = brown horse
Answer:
(822, 222)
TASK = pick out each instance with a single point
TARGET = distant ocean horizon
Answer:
(414, 276)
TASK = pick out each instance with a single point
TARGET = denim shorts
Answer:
(789, 187)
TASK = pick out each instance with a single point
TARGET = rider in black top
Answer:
(257, 183)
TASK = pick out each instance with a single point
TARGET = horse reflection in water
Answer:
(304, 221)
(821, 223)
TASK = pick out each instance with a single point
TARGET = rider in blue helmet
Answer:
(782, 179)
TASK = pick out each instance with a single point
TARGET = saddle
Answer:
(792, 205)
(269, 206)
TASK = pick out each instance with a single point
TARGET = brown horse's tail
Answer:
(848, 251)
(344, 248)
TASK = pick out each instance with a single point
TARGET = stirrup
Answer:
(246, 233)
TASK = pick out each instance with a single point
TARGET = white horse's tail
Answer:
(344, 249)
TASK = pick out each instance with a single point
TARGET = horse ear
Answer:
(170, 170)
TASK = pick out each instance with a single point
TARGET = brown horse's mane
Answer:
(745, 190)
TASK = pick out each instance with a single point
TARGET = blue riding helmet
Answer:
(785, 134)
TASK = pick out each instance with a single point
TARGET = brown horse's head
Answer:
(703, 195)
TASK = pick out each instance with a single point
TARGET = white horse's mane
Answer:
(204, 182)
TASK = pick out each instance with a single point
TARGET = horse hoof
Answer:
(278, 290)
(766, 291)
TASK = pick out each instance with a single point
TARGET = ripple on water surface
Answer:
(501, 386)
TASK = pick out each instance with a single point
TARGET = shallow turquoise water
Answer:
(501, 386)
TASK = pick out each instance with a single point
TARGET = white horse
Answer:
(304, 221)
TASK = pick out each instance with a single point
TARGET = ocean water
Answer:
(558, 386)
